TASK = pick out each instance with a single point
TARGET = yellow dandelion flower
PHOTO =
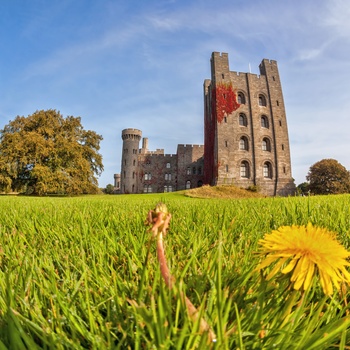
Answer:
(305, 251)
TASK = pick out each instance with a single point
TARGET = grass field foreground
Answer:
(82, 273)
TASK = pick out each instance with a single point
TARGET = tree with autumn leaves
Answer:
(46, 153)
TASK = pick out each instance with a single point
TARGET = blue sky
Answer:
(141, 64)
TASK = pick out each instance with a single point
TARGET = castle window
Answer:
(133, 174)
(277, 103)
(148, 176)
(226, 144)
(243, 143)
(262, 101)
(282, 147)
(267, 170)
(194, 170)
(264, 122)
(133, 188)
(273, 78)
(199, 171)
(124, 175)
(134, 162)
(188, 185)
(241, 98)
(168, 177)
(225, 120)
(226, 168)
(280, 122)
(124, 161)
(223, 76)
(266, 145)
(284, 169)
(244, 169)
(168, 188)
(242, 119)
(168, 165)
(147, 188)
(188, 172)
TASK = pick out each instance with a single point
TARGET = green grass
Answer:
(82, 273)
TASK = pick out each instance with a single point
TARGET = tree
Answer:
(46, 153)
(109, 189)
(328, 176)
(303, 188)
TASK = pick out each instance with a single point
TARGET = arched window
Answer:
(264, 122)
(188, 185)
(244, 169)
(241, 98)
(243, 143)
(262, 101)
(243, 119)
(266, 144)
(267, 170)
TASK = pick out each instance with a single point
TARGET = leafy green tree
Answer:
(328, 176)
(303, 188)
(109, 189)
(46, 153)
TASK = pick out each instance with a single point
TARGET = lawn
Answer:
(82, 273)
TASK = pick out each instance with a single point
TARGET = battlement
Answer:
(131, 134)
(220, 55)
(158, 151)
(155, 154)
(189, 146)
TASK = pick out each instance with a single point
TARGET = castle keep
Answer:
(245, 139)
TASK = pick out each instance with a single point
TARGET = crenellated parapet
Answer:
(131, 134)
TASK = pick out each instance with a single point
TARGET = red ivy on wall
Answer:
(225, 99)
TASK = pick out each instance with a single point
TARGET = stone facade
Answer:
(245, 139)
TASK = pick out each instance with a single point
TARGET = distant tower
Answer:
(129, 166)
(117, 182)
(245, 128)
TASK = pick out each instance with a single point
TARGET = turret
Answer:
(129, 175)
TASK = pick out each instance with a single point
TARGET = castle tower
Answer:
(117, 182)
(245, 129)
(129, 166)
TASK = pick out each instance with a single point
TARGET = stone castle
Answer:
(245, 140)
